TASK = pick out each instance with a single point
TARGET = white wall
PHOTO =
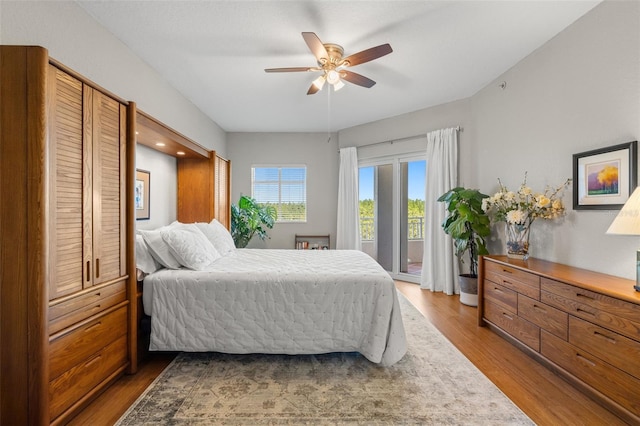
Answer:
(578, 92)
(162, 180)
(76, 40)
(311, 149)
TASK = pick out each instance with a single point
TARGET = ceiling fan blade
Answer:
(291, 69)
(358, 79)
(368, 55)
(316, 46)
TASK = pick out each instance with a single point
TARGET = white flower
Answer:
(516, 216)
(524, 206)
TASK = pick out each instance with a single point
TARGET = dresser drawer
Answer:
(501, 296)
(546, 317)
(614, 314)
(75, 309)
(521, 329)
(83, 342)
(611, 347)
(514, 279)
(75, 383)
(609, 380)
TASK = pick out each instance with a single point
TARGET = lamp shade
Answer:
(627, 222)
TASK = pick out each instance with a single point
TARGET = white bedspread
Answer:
(278, 301)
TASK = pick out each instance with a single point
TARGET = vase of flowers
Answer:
(519, 209)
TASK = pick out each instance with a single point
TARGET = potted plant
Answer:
(468, 225)
(248, 218)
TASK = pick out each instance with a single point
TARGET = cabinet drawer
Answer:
(614, 314)
(611, 347)
(546, 317)
(521, 329)
(515, 279)
(612, 382)
(76, 309)
(72, 385)
(501, 296)
(78, 345)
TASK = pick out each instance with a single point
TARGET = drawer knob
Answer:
(507, 316)
(92, 361)
(506, 271)
(604, 336)
(584, 295)
(585, 311)
(98, 324)
(585, 360)
(539, 308)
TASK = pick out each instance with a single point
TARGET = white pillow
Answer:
(144, 260)
(218, 235)
(190, 247)
(159, 249)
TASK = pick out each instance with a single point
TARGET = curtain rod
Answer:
(392, 141)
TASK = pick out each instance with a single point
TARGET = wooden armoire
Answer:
(67, 324)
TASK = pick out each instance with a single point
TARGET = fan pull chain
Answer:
(328, 114)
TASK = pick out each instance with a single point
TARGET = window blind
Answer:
(285, 188)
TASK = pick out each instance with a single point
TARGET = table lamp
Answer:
(627, 222)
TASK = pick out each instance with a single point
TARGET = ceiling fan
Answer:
(333, 65)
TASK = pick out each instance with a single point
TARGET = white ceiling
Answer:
(215, 53)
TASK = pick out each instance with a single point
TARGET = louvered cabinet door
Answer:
(108, 136)
(68, 187)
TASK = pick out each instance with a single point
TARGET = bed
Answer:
(278, 302)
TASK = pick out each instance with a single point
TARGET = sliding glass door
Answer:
(392, 213)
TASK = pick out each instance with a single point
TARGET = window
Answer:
(282, 187)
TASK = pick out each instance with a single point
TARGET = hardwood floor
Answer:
(544, 397)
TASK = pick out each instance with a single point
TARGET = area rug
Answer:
(434, 384)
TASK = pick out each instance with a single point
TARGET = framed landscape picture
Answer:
(143, 179)
(604, 178)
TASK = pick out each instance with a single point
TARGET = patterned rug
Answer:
(434, 384)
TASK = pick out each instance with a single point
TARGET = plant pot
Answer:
(468, 289)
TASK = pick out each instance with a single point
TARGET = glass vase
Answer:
(517, 236)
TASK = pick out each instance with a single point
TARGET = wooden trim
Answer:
(37, 227)
(132, 285)
(86, 81)
(481, 322)
(150, 131)
(23, 229)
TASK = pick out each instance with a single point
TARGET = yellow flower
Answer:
(542, 201)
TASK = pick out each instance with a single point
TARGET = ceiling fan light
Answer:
(319, 82)
(337, 86)
(333, 77)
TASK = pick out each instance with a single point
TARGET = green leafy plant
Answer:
(248, 218)
(467, 223)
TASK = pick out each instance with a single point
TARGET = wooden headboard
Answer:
(204, 178)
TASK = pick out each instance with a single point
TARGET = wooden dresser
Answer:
(67, 233)
(582, 324)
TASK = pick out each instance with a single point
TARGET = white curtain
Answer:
(439, 264)
(348, 233)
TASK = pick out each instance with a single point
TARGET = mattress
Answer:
(280, 302)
